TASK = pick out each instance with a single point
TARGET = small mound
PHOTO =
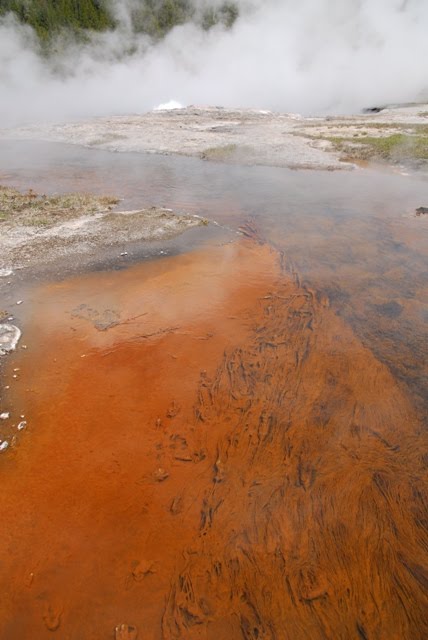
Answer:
(9, 338)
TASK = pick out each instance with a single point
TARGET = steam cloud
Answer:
(307, 56)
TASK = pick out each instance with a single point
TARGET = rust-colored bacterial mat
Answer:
(210, 453)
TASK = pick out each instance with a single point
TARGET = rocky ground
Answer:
(396, 135)
(39, 228)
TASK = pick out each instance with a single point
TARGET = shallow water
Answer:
(229, 442)
(352, 235)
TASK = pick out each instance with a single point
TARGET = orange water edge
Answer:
(224, 460)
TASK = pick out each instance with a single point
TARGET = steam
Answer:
(306, 56)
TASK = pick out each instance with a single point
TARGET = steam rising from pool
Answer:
(314, 56)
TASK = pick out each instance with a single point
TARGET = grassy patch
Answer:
(41, 210)
(413, 128)
(219, 153)
(39, 222)
(408, 128)
(397, 147)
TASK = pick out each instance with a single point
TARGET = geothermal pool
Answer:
(227, 439)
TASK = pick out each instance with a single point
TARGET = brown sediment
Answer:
(211, 453)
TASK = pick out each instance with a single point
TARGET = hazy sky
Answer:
(307, 56)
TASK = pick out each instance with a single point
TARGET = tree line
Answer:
(152, 17)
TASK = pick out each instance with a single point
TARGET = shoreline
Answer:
(392, 136)
(30, 242)
(53, 237)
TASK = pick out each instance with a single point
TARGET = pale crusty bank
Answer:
(396, 135)
(37, 228)
(41, 229)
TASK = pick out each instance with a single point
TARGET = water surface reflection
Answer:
(351, 235)
(226, 443)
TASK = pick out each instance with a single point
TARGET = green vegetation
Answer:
(408, 128)
(152, 17)
(39, 210)
(47, 17)
(398, 147)
(226, 15)
(157, 18)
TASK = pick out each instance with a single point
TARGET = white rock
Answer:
(9, 337)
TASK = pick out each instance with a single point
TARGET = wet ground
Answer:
(395, 134)
(228, 441)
